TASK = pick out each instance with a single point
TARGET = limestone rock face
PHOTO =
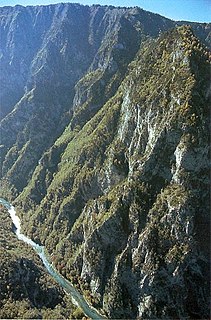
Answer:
(106, 155)
(44, 52)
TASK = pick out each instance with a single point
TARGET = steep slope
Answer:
(104, 145)
(45, 50)
(60, 64)
(123, 203)
(26, 290)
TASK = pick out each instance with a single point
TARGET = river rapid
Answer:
(77, 298)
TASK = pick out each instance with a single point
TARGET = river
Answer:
(77, 298)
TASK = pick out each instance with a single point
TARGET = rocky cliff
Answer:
(105, 151)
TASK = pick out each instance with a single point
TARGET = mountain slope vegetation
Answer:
(106, 154)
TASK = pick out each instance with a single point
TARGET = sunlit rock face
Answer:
(105, 151)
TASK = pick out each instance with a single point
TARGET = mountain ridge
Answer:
(119, 195)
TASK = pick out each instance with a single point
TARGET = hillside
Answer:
(26, 290)
(105, 152)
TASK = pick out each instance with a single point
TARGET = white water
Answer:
(17, 223)
(77, 298)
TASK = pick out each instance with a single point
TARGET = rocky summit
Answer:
(104, 145)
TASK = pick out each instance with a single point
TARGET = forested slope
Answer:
(106, 156)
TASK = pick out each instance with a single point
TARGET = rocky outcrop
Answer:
(56, 75)
(150, 265)
(120, 198)
(39, 73)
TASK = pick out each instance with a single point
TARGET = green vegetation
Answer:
(113, 181)
(27, 291)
